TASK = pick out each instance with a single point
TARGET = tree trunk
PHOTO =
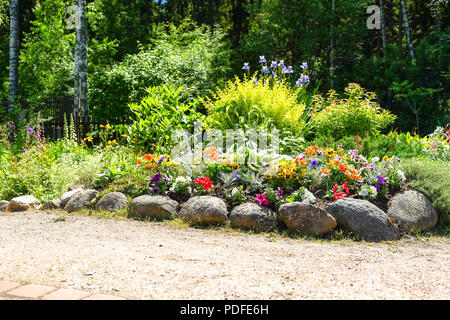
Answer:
(13, 54)
(383, 28)
(333, 9)
(437, 19)
(407, 30)
(76, 101)
(83, 61)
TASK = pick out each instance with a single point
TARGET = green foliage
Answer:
(157, 116)
(237, 196)
(242, 101)
(432, 178)
(355, 114)
(188, 56)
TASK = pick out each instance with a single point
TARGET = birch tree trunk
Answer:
(76, 102)
(333, 9)
(383, 28)
(83, 60)
(13, 54)
(407, 30)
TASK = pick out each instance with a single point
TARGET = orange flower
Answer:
(311, 149)
(148, 157)
(138, 161)
(349, 175)
(303, 162)
(325, 171)
(342, 167)
(148, 165)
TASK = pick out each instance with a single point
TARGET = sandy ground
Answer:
(143, 260)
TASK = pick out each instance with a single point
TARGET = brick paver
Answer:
(66, 294)
(10, 290)
(31, 291)
(7, 285)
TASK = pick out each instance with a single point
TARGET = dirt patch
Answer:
(143, 260)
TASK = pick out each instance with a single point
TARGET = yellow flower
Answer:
(102, 126)
(88, 139)
(109, 142)
(107, 127)
(114, 142)
(108, 147)
(124, 135)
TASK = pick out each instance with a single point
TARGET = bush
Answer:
(432, 178)
(194, 58)
(356, 114)
(258, 104)
(157, 116)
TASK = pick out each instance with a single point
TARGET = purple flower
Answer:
(273, 75)
(161, 160)
(262, 59)
(279, 193)
(381, 180)
(11, 124)
(265, 70)
(274, 64)
(304, 66)
(155, 179)
(314, 163)
(236, 176)
(281, 64)
(290, 69)
(20, 117)
(246, 66)
(378, 187)
(255, 81)
(304, 79)
(37, 135)
(155, 190)
(30, 129)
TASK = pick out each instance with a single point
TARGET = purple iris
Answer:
(290, 69)
(274, 64)
(281, 64)
(20, 117)
(304, 79)
(273, 75)
(262, 59)
(265, 70)
(304, 66)
(255, 81)
(314, 163)
(155, 179)
(381, 179)
(246, 66)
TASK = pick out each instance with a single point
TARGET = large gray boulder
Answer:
(253, 216)
(157, 207)
(306, 218)
(3, 205)
(412, 210)
(23, 203)
(204, 210)
(68, 195)
(112, 202)
(362, 218)
(81, 200)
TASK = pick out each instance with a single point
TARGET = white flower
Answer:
(234, 191)
(402, 175)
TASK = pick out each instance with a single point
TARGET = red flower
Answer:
(344, 186)
(205, 182)
(338, 195)
(336, 186)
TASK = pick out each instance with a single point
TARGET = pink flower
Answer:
(262, 199)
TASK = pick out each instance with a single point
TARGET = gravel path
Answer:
(142, 260)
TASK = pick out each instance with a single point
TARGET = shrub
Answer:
(356, 114)
(243, 101)
(157, 116)
(194, 58)
(432, 178)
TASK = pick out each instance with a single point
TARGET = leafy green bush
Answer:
(243, 101)
(157, 115)
(356, 114)
(188, 56)
(432, 178)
